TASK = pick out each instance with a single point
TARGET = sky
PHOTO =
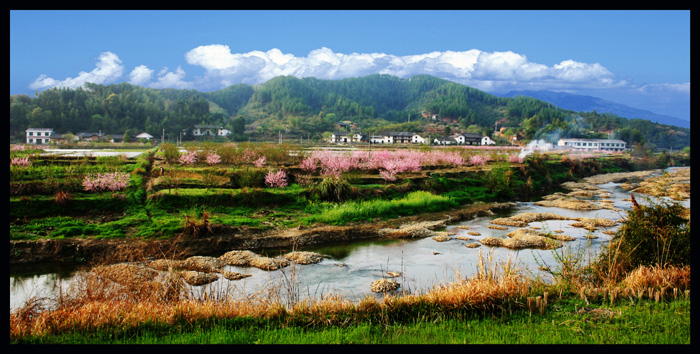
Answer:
(640, 58)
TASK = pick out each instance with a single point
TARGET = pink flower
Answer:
(106, 182)
(515, 158)
(308, 164)
(388, 175)
(260, 162)
(477, 160)
(276, 179)
(20, 161)
(213, 158)
(189, 158)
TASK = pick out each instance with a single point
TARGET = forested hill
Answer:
(309, 107)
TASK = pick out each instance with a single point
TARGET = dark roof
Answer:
(471, 135)
(398, 134)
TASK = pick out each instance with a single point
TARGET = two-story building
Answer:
(340, 138)
(468, 138)
(398, 137)
(39, 135)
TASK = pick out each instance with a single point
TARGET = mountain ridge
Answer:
(588, 103)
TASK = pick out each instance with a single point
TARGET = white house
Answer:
(378, 139)
(144, 135)
(359, 138)
(417, 139)
(485, 140)
(340, 137)
(468, 138)
(593, 144)
(209, 130)
(444, 141)
(39, 135)
(398, 137)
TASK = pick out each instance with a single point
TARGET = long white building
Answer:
(593, 144)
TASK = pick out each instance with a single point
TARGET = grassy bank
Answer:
(568, 322)
(489, 308)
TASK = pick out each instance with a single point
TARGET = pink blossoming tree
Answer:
(106, 182)
(276, 179)
(213, 158)
(189, 158)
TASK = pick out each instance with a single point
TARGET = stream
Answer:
(351, 267)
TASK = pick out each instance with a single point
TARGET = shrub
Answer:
(170, 153)
(106, 181)
(332, 189)
(276, 179)
(515, 159)
(260, 162)
(62, 197)
(213, 158)
(657, 234)
(189, 158)
(20, 161)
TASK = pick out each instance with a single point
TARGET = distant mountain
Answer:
(583, 103)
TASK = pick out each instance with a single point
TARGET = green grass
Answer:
(413, 202)
(644, 322)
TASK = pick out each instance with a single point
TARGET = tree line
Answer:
(310, 106)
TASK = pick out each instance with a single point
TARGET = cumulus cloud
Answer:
(108, 69)
(489, 71)
(483, 70)
(140, 75)
(167, 79)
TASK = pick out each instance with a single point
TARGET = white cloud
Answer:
(140, 75)
(494, 72)
(108, 70)
(167, 79)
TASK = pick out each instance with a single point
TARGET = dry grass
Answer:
(304, 257)
(247, 258)
(658, 277)
(102, 303)
(416, 229)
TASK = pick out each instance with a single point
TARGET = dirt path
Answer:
(223, 239)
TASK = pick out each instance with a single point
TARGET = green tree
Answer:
(238, 125)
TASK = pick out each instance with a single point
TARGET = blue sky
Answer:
(640, 58)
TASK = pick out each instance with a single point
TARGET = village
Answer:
(47, 136)
(345, 135)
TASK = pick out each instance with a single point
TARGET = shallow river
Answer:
(352, 267)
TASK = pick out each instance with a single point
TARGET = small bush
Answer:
(657, 234)
(332, 190)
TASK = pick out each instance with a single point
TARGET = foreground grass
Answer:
(569, 321)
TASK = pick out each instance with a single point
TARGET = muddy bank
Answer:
(225, 238)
